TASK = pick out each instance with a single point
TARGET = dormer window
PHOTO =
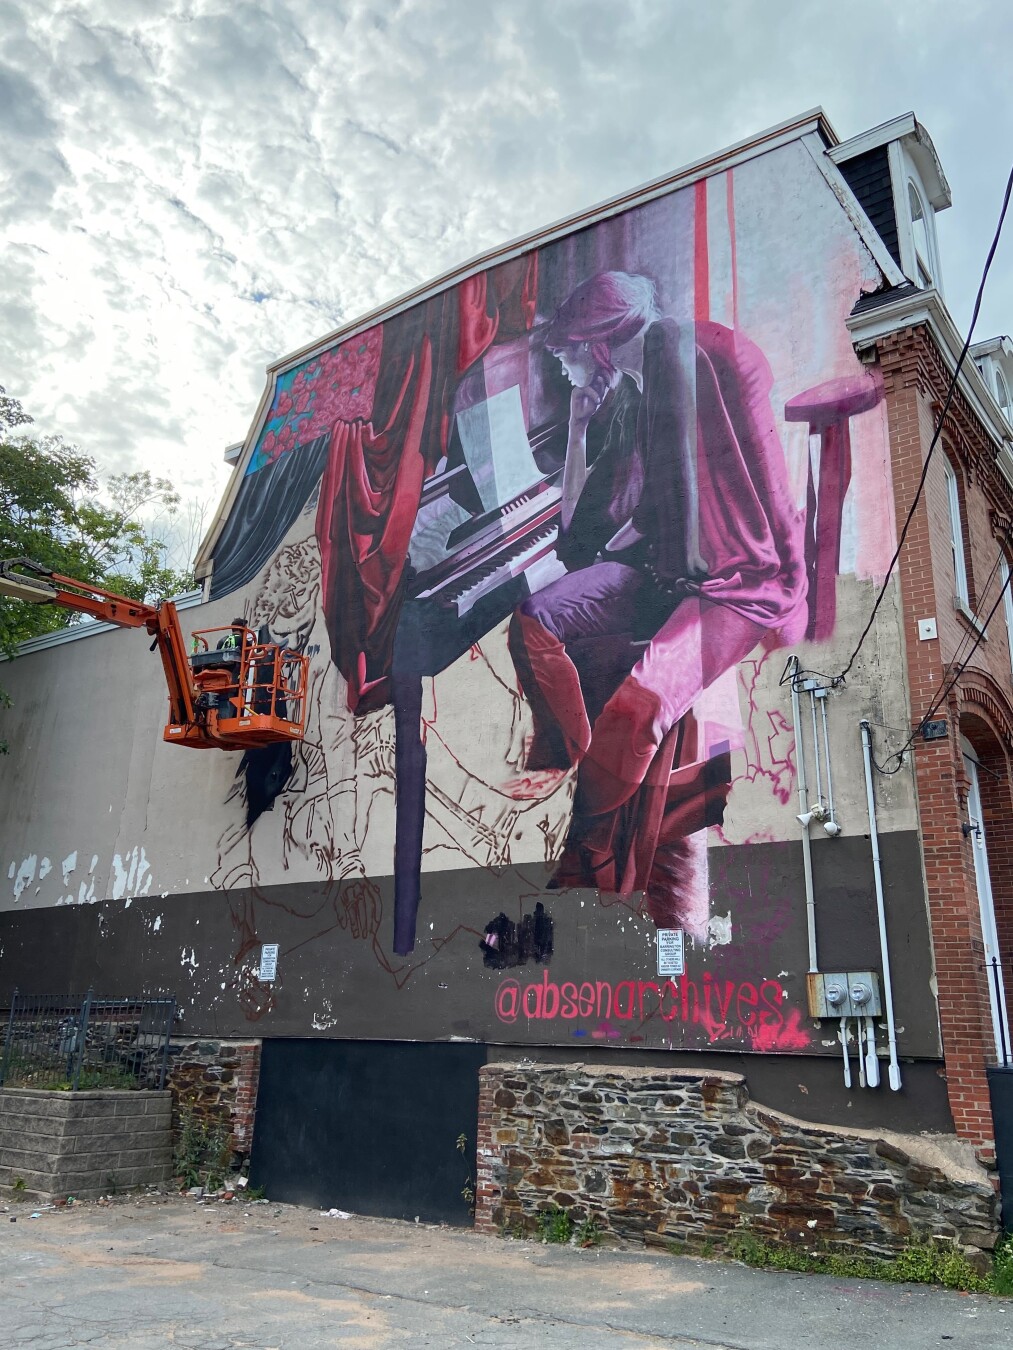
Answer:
(896, 177)
(920, 233)
(994, 359)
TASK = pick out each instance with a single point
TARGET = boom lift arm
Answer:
(246, 695)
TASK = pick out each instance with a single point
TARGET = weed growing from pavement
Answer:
(587, 1233)
(554, 1225)
(468, 1189)
(932, 1262)
(1002, 1267)
(203, 1151)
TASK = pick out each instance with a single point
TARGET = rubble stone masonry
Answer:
(664, 1156)
(219, 1080)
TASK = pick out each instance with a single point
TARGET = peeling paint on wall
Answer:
(129, 873)
(25, 876)
(719, 930)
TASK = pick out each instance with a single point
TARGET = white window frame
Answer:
(962, 593)
(924, 266)
(1002, 396)
(1007, 604)
(904, 174)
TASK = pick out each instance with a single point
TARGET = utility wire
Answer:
(938, 431)
(941, 699)
(969, 631)
(957, 657)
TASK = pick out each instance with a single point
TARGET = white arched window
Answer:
(1002, 394)
(962, 591)
(922, 240)
(1007, 604)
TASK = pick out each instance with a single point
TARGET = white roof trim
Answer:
(919, 146)
(813, 121)
(927, 307)
(89, 628)
(997, 346)
(897, 127)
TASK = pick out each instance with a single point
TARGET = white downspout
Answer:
(803, 798)
(880, 908)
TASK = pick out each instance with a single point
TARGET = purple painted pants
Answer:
(604, 654)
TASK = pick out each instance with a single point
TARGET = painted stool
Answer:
(829, 408)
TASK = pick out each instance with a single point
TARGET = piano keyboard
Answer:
(523, 531)
(482, 581)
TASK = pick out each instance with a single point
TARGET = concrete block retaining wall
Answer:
(684, 1157)
(83, 1144)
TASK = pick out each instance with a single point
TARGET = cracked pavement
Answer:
(151, 1272)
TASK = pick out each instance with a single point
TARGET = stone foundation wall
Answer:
(85, 1144)
(219, 1079)
(676, 1156)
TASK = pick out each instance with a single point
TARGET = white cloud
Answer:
(191, 188)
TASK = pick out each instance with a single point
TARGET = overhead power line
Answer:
(951, 390)
(951, 681)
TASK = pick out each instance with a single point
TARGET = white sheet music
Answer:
(431, 531)
(496, 448)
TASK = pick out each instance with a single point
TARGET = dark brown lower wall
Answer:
(676, 1156)
(596, 985)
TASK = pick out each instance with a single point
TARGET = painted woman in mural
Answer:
(684, 552)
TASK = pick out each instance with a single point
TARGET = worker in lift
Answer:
(235, 638)
(233, 641)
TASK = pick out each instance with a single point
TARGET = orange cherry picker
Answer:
(228, 692)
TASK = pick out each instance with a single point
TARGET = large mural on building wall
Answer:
(548, 537)
(570, 472)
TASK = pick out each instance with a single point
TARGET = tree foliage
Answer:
(54, 510)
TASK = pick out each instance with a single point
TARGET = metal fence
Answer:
(79, 1042)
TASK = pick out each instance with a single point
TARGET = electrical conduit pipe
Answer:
(880, 908)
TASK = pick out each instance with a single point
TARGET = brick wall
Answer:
(680, 1156)
(980, 703)
(219, 1079)
(83, 1144)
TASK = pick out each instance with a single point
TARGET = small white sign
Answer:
(671, 951)
(269, 963)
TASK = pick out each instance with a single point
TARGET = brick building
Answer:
(620, 867)
(954, 572)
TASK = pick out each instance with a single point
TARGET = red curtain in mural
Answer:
(370, 489)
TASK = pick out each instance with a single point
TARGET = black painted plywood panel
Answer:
(368, 1126)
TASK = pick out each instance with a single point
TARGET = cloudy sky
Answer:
(190, 189)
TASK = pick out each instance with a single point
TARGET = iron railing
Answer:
(80, 1042)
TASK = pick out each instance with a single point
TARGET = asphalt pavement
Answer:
(167, 1272)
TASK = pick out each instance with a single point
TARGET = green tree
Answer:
(53, 510)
